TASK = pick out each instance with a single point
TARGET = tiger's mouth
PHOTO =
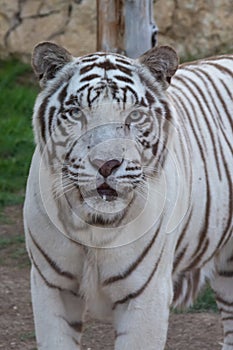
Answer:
(107, 193)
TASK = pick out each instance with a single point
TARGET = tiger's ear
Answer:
(47, 59)
(162, 62)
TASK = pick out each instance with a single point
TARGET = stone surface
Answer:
(196, 28)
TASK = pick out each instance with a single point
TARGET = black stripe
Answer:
(129, 176)
(143, 287)
(221, 309)
(124, 79)
(220, 124)
(90, 77)
(223, 301)
(206, 119)
(227, 232)
(51, 115)
(177, 287)
(95, 97)
(225, 273)
(63, 93)
(229, 92)
(196, 278)
(186, 87)
(87, 68)
(230, 193)
(199, 253)
(82, 88)
(143, 103)
(205, 226)
(121, 60)
(133, 266)
(227, 333)
(41, 117)
(221, 68)
(49, 284)
(124, 70)
(216, 89)
(89, 96)
(124, 97)
(64, 132)
(133, 92)
(168, 113)
(227, 318)
(155, 148)
(106, 65)
(182, 235)
(90, 59)
(52, 263)
(179, 258)
(150, 98)
(203, 78)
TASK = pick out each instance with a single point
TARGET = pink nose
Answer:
(105, 169)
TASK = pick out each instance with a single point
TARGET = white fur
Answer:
(141, 322)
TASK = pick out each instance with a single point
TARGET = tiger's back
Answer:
(203, 99)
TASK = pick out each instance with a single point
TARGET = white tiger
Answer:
(129, 198)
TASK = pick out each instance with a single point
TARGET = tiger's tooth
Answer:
(104, 197)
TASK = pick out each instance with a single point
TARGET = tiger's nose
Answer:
(106, 168)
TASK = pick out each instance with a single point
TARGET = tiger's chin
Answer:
(101, 207)
(107, 210)
(102, 220)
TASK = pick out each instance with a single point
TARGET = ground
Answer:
(196, 331)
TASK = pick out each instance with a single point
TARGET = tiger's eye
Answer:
(135, 115)
(75, 112)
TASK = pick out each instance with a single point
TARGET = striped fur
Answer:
(128, 207)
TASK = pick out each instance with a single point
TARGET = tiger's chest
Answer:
(98, 304)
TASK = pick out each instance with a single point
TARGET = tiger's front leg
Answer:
(57, 315)
(141, 321)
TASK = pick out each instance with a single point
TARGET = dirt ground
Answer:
(199, 331)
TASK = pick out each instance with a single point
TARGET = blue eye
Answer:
(135, 115)
(75, 112)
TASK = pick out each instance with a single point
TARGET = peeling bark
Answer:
(125, 26)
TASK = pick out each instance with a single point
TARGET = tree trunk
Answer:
(125, 26)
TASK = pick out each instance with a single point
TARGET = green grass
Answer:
(16, 142)
(13, 251)
(204, 303)
(27, 336)
(5, 242)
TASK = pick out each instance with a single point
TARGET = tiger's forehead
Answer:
(108, 68)
(109, 77)
(106, 58)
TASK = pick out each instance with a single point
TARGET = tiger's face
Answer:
(105, 163)
(101, 121)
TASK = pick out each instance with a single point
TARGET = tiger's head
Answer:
(102, 123)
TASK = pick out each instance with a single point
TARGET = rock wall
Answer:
(195, 28)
